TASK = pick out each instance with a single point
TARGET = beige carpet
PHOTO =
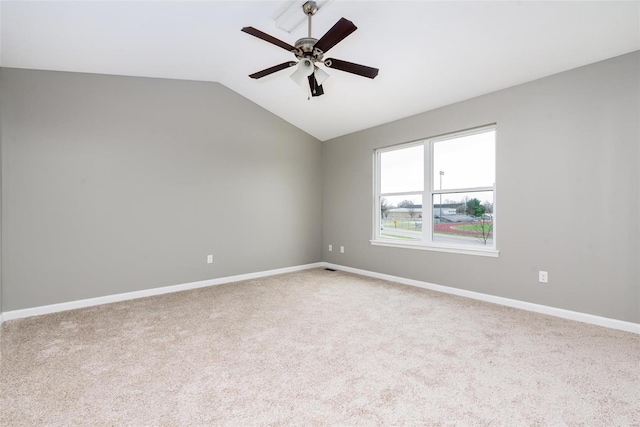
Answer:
(315, 348)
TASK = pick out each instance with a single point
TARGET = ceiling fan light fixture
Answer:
(305, 69)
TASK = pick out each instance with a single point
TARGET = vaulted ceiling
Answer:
(429, 53)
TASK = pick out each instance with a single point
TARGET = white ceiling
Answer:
(429, 53)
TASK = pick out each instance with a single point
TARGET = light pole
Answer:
(441, 173)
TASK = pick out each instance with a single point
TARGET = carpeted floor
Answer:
(314, 348)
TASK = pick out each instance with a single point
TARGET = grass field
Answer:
(451, 229)
(393, 236)
(471, 227)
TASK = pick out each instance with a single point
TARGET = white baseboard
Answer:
(72, 305)
(552, 311)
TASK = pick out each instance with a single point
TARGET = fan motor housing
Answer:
(305, 49)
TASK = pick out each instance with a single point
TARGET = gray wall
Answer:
(116, 184)
(0, 193)
(567, 143)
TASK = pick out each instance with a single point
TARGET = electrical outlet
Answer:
(543, 277)
(330, 248)
(209, 259)
(341, 249)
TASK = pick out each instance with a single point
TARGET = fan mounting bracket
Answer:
(310, 8)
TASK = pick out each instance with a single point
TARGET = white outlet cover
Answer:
(341, 249)
(330, 248)
(543, 277)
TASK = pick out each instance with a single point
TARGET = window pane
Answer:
(464, 162)
(401, 217)
(402, 170)
(463, 218)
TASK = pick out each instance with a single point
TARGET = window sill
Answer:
(464, 250)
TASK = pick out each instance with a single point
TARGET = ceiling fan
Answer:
(310, 51)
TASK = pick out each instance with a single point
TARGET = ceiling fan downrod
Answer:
(309, 8)
(305, 46)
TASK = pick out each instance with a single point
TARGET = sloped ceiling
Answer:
(429, 53)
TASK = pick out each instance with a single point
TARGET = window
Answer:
(438, 194)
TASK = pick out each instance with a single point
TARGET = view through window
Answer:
(438, 192)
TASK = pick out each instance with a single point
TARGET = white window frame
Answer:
(427, 194)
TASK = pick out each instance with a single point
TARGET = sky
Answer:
(467, 162)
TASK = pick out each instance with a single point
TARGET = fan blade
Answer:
(335, 35)
(271, 70)
(316, 89)
(352, 68)
(266, 37)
